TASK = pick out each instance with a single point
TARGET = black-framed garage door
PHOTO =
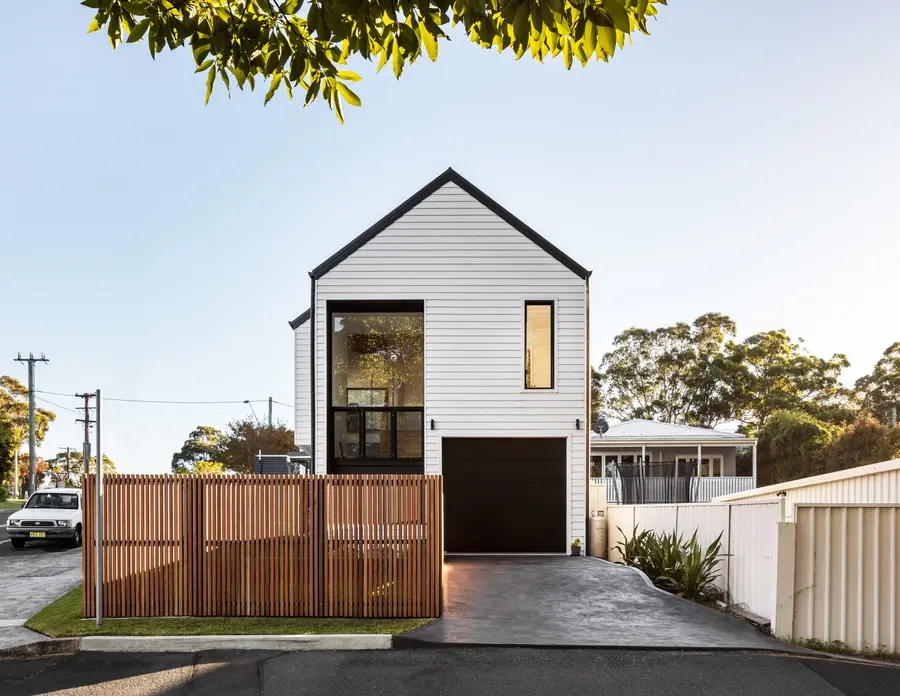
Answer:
(504, 495)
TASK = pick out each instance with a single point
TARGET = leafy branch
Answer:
(301, 43)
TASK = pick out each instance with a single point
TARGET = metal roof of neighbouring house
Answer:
(282, 463)
(448, 177)
(639, 429)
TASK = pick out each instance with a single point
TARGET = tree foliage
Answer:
(791, 446)
(879, 391)
(246, 438)
(200, 453)
(674, 374)
(61, 474)
(771, 372)
(14, 422)
(795, 444)
(698, 375)
(210, 451)
(41, 467)
(302, 44)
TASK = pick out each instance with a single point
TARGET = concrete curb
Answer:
(284, 643)
(190, 644)
(41, 648)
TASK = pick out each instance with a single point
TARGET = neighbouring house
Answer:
(674, 463)
(451, 338)
(291, 463)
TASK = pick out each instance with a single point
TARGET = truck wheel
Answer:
(17, 543)
(76, 540)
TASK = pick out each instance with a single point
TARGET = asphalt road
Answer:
(446, 672)
(4, 537)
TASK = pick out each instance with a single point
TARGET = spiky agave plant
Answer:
(698, 570)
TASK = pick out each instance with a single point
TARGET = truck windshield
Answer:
(53, 501)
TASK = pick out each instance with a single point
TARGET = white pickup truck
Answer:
(51, 514)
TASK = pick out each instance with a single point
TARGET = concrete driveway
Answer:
(573, 602)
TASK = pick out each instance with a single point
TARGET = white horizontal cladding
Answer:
(474, 272)
(302, 410)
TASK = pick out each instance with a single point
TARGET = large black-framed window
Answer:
(540, 337)
(376, 387)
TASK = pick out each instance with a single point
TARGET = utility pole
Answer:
(270, 411)
(16, 473)
(32, 446)
(67, 465)
(86, 448)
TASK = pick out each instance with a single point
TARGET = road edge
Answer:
(41, 648)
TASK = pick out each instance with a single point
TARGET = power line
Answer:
(64, 408)
(159, 401)
(164, 401)
(156, 401)
(41, 391)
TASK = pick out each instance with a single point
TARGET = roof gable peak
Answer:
(450, 175)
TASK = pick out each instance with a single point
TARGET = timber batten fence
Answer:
(262, 545)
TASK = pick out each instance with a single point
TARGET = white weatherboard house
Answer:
(451, 338)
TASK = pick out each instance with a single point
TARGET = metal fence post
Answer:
(98, 584)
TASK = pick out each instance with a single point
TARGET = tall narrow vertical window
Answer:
(539, 344)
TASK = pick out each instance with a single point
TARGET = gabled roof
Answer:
(447, 177)
(639, 429)
(300, 321)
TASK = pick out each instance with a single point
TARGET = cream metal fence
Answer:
(845, 576)
(874, 483)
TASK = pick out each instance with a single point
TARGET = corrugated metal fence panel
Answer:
(262, 545)
(882, 488)
(873, 483)
(752, 563)
(846, 575)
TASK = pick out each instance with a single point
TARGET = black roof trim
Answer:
(450, 176)
(300, 321)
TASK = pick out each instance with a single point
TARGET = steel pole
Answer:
(98, 529)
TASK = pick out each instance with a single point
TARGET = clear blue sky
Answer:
(743, 159)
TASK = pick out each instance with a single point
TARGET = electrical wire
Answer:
(41, 391)
(163, 401)
(64, 408)
(155, 401)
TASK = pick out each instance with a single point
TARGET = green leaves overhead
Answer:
(301, 43)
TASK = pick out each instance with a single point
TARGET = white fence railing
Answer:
(749, 542)
(705, 489)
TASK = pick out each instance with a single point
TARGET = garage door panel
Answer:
(504, 495)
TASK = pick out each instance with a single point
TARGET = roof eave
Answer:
(722, 441)
(299, 321)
